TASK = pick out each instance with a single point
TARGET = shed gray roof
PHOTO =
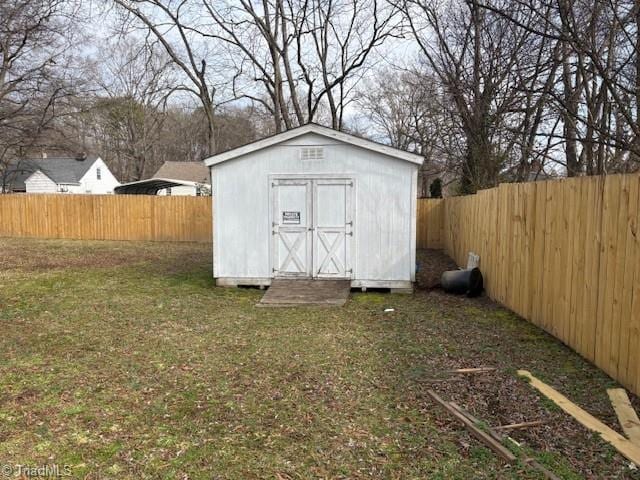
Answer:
(62, 170)
(187, 171)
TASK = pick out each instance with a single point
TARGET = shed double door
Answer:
(312, 227)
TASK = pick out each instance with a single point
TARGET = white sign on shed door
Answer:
(291, 248)
(333, 224)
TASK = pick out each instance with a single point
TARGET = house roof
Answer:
(319, 130)
(186, 171)
(62, 170)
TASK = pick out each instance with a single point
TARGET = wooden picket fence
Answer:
(564, 254)
(430, 223)
(107, 217)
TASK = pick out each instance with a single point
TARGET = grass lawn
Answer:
(122, 360)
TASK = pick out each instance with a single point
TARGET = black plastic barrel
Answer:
(468, 281)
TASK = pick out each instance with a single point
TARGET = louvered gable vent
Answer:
(311, 153)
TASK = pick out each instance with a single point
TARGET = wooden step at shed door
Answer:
(300, 292)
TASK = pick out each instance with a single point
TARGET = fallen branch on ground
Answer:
(474, 370)
(514, 426)
(500, 450)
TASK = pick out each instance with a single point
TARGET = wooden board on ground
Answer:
(515, 426)
(499, 449)
(627, 448)
(300, 292)
(474, 370)
(627, 415)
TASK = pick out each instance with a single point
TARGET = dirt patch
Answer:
(431, 264)
(500, 398)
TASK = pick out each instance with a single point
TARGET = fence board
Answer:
(627, 364)
(538, 254)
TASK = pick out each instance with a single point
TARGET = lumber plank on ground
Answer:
(500, 450)
(514, 426)
(474, 370)
(627, 448)
(627, 415)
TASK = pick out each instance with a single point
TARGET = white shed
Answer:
(313, 202)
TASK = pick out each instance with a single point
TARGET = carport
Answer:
(151, 186)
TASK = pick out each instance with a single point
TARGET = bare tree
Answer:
(36, 76)
(170, 23)
(295, 58)
(129, 114)
(494, 74)
(598, 98)
(343, 35)
(409, 110)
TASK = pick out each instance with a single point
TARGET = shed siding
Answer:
(384, 224)
(38, 182)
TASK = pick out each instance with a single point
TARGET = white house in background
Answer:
(313, 202)
(172, 178)
(79, 175)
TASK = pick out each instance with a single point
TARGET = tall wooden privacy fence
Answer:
(107, 217)
(430, 223)
(565, 255)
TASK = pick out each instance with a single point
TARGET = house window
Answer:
(98, 173)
